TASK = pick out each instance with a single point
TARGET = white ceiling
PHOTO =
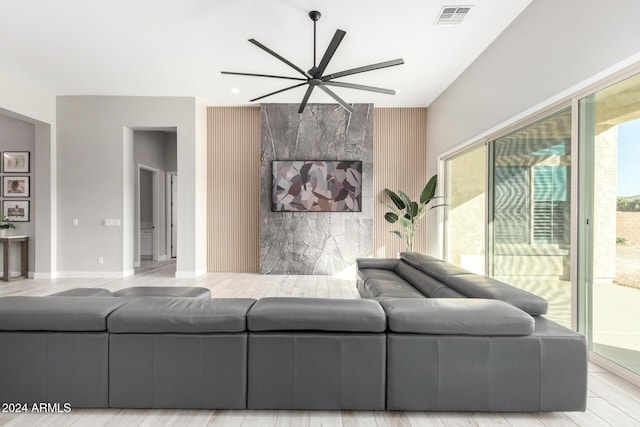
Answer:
(179, 47)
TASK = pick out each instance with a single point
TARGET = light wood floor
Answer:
(611, 400)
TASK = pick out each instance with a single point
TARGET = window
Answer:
(550, 205)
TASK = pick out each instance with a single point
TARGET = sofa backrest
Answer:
(59, 314)
(316, 314)
(426, 284)
(445, 316)
(475, 286)
(185, 315)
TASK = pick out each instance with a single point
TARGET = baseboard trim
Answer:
(94, 274)
(615, 369)
(190, 274)
(44, 276)
(163, 258)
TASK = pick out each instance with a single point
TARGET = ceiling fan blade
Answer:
(336, 97)
(289, 63)
(361, 87)
(371, 67)
(262, 75)
(328, 54)
(305, 99)
(278, 91)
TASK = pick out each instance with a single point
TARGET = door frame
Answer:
(155, 212)
(169, 214)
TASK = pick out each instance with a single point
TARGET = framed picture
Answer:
(15, 186)
(15, 161)
(16, 210)
(316, 186)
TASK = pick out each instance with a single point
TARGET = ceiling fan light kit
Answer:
(315, 76)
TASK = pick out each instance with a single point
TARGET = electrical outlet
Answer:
(111, 222)
(100, 260)
(75, 222)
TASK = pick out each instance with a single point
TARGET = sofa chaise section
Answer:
(315, 353)
(55, 349)
(481, 355)
(179, 353)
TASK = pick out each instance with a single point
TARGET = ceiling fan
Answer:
(315, 76)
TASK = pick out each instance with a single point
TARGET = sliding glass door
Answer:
(610, 221)
(531, 211)
(509, 215)
(508, 210)
(465, 189)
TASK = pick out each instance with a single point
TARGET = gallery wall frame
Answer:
(15, 186)
(16, 210)
(16, 161)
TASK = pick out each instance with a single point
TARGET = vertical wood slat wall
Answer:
(233, 138)
(399, 163)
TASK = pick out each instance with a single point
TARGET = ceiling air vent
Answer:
(452, 15)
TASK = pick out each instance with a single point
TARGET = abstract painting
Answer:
(317, 186)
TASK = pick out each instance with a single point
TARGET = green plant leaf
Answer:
(391, 217)
(429, 190)
(397, 233)
(414, 209)
(405, 223)
(406, 201)
(394, 198)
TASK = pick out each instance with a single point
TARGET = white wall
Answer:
(95, 181)
(18, 135)
(37, 105)
(552, 47)
(197, 176)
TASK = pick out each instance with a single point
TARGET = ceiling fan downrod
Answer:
(314, 15)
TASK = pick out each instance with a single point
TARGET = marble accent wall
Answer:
(315, 242)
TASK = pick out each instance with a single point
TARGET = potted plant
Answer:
(5, 225)
(407, 212)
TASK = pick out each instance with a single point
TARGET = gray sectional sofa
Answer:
(393, 349)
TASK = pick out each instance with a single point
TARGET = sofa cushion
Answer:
(469, 316)
(84, 292)
(426, 284)
(316, 314)
(475, 286)
(62, 313)
(164, 291)
(446, 292)
(377, 263)
(380, 274)
(377, 288)
(157, 315)
(415, 259)
(442, 271)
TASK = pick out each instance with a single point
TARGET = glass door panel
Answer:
(531, 211)
(610, 135)
(465, 190)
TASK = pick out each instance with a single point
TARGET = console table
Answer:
(24, 256)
